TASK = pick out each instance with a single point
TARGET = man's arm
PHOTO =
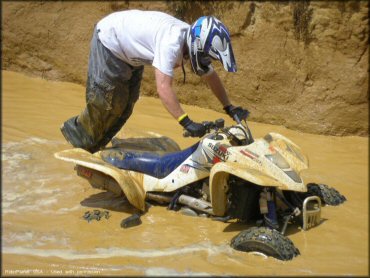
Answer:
(170, 101)
(218, 89)
(167, 95)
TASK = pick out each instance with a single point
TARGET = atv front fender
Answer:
(218, 182)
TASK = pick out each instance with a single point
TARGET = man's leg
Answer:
(134, 90)
(108, 97)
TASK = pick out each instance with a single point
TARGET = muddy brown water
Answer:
(43, 201)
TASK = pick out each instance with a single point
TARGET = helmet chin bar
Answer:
(202, 63)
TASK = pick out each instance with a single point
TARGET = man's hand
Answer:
(232, 110)
(194, 129)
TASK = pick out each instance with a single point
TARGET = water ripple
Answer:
(105, 253)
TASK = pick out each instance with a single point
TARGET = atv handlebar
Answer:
(217, 124)
(220, 124)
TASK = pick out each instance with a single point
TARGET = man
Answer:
(123, 42)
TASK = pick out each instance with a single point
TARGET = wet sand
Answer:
(43, 201)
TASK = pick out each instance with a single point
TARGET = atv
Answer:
(227, 176)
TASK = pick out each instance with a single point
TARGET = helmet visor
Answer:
(222, 50)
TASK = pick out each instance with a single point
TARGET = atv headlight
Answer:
(278, 160)
(295, 152)
(294, 176)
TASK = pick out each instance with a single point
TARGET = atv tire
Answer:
(267, 241)
(328, 195)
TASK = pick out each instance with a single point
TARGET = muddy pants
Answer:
(112, 88)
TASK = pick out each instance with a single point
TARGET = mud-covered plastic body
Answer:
(226, 175)
(270, 161)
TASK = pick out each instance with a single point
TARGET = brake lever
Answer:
(237, 120)
(250, 137)
(208, 125)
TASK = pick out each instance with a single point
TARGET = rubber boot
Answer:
(75, 134)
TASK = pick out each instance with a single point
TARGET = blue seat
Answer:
(145, 162)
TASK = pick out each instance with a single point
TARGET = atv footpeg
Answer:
(311, 212)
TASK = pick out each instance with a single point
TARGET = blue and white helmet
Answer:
(209, 37)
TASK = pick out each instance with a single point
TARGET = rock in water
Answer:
(131, 221)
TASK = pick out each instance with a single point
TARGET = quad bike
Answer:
(227, 175)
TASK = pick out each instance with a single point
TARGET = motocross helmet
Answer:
(209, 37)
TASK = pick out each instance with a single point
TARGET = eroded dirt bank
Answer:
(302, 64)
(43, 201)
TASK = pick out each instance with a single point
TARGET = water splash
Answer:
(32, 180)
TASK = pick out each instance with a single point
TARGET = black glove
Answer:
(232, 110)
(194, 129)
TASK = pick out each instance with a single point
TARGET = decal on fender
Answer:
(251, 155)
(185, 168)
(220, 152)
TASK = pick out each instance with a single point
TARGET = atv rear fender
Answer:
(130, 182)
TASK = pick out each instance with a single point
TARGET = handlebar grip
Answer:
(208, 126)
(186, 133)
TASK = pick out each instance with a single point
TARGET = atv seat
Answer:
(152, 164)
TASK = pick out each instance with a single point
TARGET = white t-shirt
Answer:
(144, 37)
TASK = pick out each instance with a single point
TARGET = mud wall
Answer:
(301, 64)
